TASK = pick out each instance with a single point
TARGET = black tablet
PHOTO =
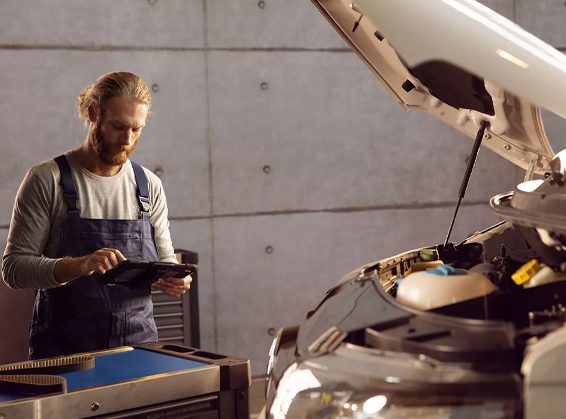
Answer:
(136, 274)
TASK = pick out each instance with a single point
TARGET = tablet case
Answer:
(135, 274)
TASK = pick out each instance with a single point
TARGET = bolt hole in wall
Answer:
(158, 171)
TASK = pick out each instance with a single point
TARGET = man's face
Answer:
(116, 134)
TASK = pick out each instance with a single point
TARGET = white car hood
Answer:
(463, 63)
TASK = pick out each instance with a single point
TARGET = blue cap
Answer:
(446, 270)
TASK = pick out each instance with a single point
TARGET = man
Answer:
(79, 215)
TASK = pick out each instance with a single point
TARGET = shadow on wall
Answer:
(15, 314)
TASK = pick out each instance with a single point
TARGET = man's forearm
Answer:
(28, 271)
(68, 269)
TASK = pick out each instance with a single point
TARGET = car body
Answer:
(473, 329)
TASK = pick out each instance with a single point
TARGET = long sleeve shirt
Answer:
(40, 210)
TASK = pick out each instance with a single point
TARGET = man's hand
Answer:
(67, 269)
(174, 287)
(100, 261)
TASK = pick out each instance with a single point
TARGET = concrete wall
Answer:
(285, 163)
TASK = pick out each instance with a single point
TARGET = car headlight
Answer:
(285, 338)
(344, 385)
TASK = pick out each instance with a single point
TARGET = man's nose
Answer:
(127, 137)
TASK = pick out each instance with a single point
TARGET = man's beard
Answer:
(111, 155)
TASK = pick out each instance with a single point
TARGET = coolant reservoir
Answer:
(442, 286)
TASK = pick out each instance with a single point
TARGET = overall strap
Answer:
(69, 190)
(142, 189)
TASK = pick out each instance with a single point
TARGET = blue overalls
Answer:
(84, 314)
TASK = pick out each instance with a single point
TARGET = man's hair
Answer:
(109, 85)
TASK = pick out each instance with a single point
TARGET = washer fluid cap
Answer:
(446, 270)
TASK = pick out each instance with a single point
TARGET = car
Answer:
(468, 329)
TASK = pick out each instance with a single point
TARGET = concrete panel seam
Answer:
(279, 49)
(403, 207)
(210, 179)
(163, 48)
(94, 48)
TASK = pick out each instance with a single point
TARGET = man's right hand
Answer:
(67, 269)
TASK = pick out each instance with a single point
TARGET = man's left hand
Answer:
(174, 287)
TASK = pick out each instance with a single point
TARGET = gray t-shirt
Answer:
(40, 210)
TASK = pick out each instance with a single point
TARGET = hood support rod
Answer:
(467, 175)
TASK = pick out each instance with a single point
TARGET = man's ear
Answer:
(92, 114)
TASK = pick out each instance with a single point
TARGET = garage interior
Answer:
(285, 162)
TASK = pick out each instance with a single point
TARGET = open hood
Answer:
(463, 63)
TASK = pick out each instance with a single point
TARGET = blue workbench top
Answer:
(117, 367)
